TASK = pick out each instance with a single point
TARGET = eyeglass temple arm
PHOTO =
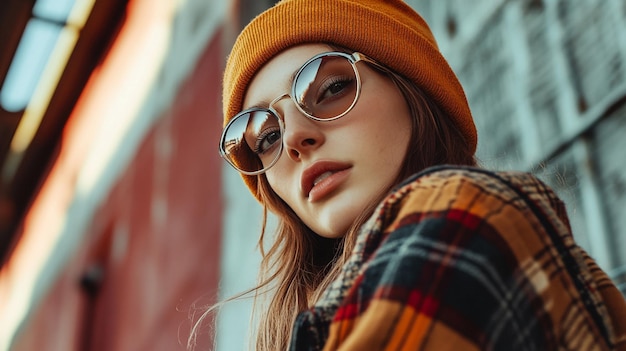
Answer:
(362, 57)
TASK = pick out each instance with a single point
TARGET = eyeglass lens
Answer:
(325, 87)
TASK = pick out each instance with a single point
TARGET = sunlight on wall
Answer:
(103, 115)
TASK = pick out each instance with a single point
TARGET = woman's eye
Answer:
(334, 89)
(266, 141)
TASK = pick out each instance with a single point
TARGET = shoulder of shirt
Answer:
(475, 175)
(444, 188)
(489, 181)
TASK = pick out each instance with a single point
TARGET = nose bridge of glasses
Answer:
(277, 99)
(287, 108)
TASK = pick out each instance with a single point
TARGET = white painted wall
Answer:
(544, 81)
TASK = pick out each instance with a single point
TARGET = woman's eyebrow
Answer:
(260, 104)
(266, 103)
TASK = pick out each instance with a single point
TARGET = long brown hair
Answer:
(300, 264)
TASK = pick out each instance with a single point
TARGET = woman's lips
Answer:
(322, 177)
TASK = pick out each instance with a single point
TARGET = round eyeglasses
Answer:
(324, 89)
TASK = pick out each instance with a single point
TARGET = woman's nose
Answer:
(302, 135)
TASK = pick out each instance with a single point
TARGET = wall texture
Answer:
(546, 81)
(124, 237)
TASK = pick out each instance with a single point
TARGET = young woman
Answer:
(347, 123)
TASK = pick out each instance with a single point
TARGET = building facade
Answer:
(119, 247)
(546, 82)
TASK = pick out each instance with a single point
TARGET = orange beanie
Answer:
(389, 31)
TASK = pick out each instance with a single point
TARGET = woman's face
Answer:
(329, 172)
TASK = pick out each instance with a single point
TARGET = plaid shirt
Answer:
(466, 259)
